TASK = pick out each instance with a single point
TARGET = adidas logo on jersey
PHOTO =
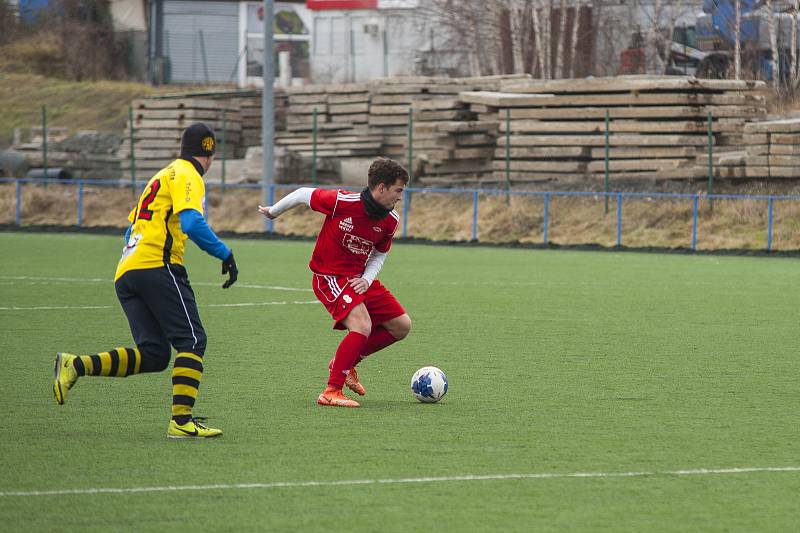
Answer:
(346, 224)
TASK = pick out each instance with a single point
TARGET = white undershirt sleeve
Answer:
(293, 199)
(373, 266)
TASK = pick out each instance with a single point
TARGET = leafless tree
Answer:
(653, 41)
(737, 41)
(538, 31)
(561, 44)
(609, 34)
(672, 20)
(773, 42)
(517, 14)
(793, 45)
(573, 43)
(661, 21)
(505, 36)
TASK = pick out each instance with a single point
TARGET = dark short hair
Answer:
(386, 171)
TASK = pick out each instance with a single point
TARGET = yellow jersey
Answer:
(156, 238)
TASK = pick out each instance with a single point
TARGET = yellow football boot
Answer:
(193, 429)
(64, 376)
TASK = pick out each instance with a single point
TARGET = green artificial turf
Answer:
(559, 363)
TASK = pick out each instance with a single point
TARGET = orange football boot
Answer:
(336, 398)
(351, 380)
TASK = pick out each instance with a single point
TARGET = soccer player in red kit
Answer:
(350, 251)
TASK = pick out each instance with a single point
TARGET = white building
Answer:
(362, 40)
(338, 41)
(316, 40)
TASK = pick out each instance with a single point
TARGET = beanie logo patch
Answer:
(208, 144)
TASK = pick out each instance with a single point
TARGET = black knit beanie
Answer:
(198, 139)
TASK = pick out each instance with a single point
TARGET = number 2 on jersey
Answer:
(144, 213)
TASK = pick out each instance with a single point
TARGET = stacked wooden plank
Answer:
(657, 125)
(724, 164)
(391, 106)
(367, 120)
(448, 143)
(352, 118)
(250, 114)
(249, 105)
(331, 144)
(773, 148)
(158, 123)
(349, 104)
(389, 114)
(306, 103)
(342, 113)
(84, 155)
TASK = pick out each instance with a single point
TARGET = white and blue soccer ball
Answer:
(429, 384)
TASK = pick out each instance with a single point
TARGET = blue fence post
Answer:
(80, 203)
(406, 200)
(769, 224)
(694, 223)
(546, 221)
(619, 219)
(475, 215)
(18, 203)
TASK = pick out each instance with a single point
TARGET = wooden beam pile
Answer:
(773, 149)
(331, 144)
(342, 115)
(363, 120)
(449, 143)
(158, 123)
(367, 120)
(392, 100)
(349, 104)
(85, 155)
(389, 111)
(657, 125)
(249, 105)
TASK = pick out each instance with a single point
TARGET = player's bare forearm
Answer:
(264, 210)
(360, 285)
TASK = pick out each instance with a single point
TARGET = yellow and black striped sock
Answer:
(119, 362)
(186, 375)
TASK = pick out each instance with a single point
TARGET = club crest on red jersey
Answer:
(357, 245)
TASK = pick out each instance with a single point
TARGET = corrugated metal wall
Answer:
(201, 40)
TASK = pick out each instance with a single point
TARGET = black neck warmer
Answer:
(373, 208)
(197, 166)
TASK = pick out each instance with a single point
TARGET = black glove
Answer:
(229, 268)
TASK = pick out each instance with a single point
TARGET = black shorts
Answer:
(161, 311)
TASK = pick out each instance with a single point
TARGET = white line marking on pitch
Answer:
(42, 279)
(62, 307)
(355, 482)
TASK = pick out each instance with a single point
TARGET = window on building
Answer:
(291, 35)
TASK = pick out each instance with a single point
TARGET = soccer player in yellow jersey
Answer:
(153, 287)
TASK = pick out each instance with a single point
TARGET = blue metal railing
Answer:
(475, 194)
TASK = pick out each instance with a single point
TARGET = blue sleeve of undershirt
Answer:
(194, 225)
(128, 234)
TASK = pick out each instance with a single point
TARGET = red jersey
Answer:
(348, 234)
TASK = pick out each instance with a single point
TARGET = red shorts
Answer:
(339, 299)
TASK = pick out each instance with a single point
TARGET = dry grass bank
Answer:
(646, 222)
